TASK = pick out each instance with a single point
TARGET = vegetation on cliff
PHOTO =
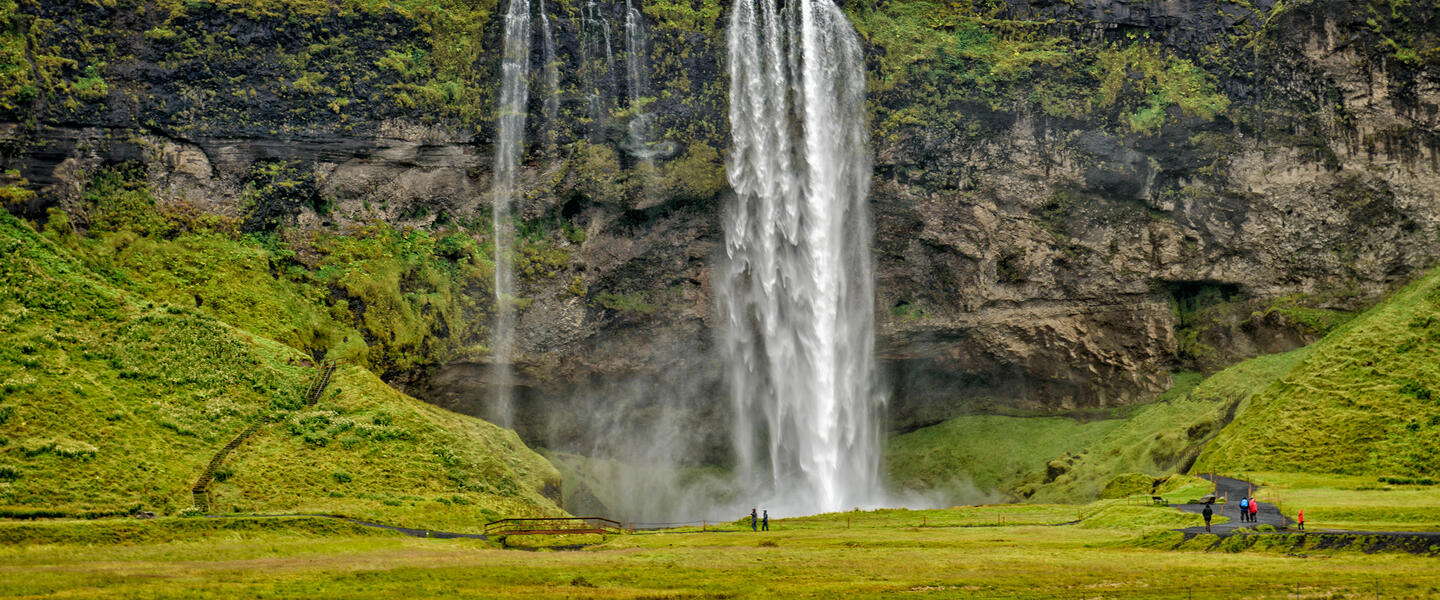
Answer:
(115, 401)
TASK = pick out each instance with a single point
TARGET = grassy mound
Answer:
(368, 451)
(1365, 400)
(114, 402)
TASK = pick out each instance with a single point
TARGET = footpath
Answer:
(1235, 489)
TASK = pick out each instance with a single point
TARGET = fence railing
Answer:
(553, 526)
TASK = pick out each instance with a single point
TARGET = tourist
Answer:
(765, 521)
(1300, 519)
(1208, 513)
(752, 519)
(1244, 510)
(1254, 510)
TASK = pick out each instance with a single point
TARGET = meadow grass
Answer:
(1352, 502)
(880, 554)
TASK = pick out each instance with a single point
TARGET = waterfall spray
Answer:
(795, 285)
(514, 93)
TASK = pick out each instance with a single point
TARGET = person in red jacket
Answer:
(1254, 510)
(1300, 518)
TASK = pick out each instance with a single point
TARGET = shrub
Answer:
(9, 473)
(1411, 388)
(626, 303)
(341, 477)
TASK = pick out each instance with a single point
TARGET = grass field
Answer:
(1353, 502)
(962, 553)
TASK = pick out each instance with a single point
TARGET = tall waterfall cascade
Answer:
(795, 285)
(514, 93)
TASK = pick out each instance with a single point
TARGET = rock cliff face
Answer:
(1072, 200)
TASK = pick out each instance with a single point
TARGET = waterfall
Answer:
(590, 32)
(794, 286)
(552, 78)
(514, 93)
(611, 84)
(637, 79)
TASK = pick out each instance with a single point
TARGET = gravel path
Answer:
(1233, 490)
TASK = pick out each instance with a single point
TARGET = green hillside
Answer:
(1366, 400)
(113, 401)
(973, 458)
(1061, 459)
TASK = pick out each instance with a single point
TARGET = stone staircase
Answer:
(201, 491)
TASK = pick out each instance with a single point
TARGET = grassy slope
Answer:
(1157, 438)
(377, 296)
(1059, 460)
(112, 401)
(1366, 400)
(366, 450)
(985, 452)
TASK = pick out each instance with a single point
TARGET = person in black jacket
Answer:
(1208, 513)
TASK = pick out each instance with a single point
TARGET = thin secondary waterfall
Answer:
(552, 77)
(611, 84)
(591, 23)
(637, 79)
(795, 287)
(514, 92)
